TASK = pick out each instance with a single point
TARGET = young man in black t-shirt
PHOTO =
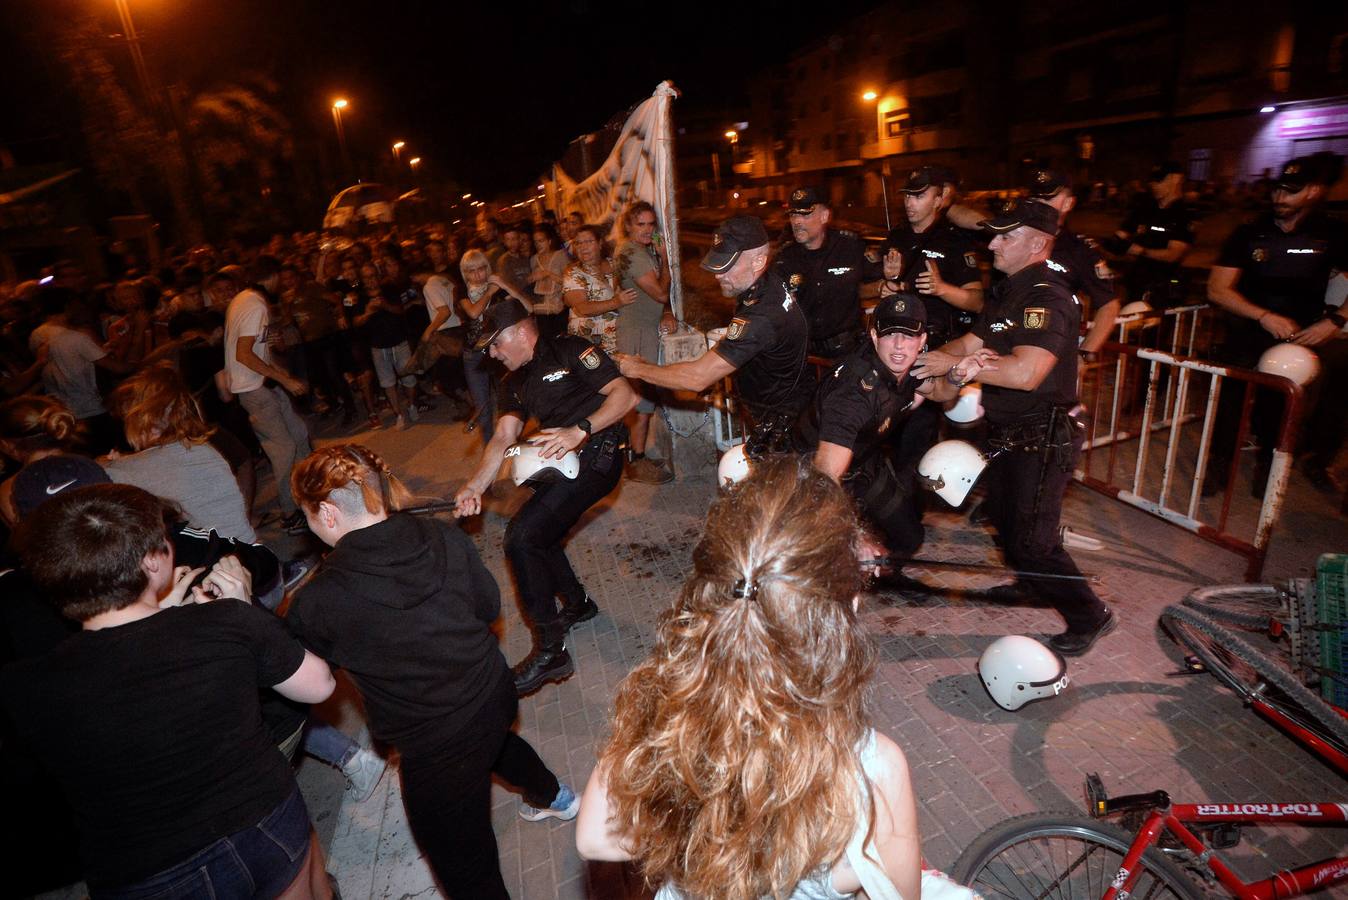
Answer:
(158, 766)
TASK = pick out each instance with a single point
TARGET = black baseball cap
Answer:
(906, 313)
(1027, 213)
(39, 481)
(1322, 168)
(1164, 170)
(1047, 182)
(498, 318)
(804, 199)
(925, 176)
(733, 237)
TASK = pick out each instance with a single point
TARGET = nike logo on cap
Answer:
(58, 488)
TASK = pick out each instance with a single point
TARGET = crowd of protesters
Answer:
(138, 417)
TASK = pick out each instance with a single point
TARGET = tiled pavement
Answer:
(1125, 715)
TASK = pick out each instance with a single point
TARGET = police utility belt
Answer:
(1055, 433)
(831, 346)
(601, 451)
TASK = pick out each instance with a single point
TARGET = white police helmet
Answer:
(951, 468)
(733, 467)
(1017, 669)
(1291, 361)
(969, 407)
(529, 467)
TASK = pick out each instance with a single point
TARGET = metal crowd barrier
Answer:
(1151, 461)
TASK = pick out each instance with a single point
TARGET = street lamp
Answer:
(398, 149)
(337, 106)
(414, 162)
(869, 96)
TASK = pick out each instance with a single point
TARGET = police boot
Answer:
(549, 661)
(573, 614)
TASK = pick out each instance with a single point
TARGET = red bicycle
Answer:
(1061, 855)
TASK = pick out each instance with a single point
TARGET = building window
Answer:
(896, 120)
(1200, 164)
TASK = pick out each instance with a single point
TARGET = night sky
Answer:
(488, 94)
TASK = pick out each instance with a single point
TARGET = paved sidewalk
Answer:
(1125, 714)
(974, 764)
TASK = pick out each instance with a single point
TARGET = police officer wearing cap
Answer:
(1023, 351)
(1271, 278)
(938, 261)
(765, 345)
(579, 399)
(825, 268)
(861, 403)
(1155, 237)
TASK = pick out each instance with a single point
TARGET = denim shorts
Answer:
(257, 861)
(387, 362)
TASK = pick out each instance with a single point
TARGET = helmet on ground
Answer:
(969, 407)
(1292, 361)
(1137, 307)
(1017, 669)
(950, 469)
(529, 467)
(733, 467)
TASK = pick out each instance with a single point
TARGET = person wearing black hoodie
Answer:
(405, 605)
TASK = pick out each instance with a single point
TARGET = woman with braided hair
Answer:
(742, 762)
(405, 605)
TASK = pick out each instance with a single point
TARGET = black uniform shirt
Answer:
(1077, 263)
(859, 405)
(1287, 273)
(1153, 227)
(560, 385)
(955, 254)
(1033, 308)
(827, 282)
(766, 343)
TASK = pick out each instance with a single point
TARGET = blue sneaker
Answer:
(564, 807)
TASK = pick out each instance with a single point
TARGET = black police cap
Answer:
(804, 200)
(1047, 182)
(498, 318)
(733, 237)
(925, 176)
(1024, 213)
(905, 313)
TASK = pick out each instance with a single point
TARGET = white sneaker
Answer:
(363, 772)
(564, 807)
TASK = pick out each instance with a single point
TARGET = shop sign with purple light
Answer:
(1327, 121)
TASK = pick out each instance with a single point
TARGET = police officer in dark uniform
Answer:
(860, 404)
(1155, 237)
(765, 345)
(1271, 278)
(1077, 261)
(825, 268)
(931, 257)
(579, 399)
(1023, 351)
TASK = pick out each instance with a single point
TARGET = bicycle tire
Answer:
(1253, 675)
(1248, 606)
(1063, 856)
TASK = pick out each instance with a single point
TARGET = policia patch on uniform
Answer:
(797, 280)
(589, 357)
(1036, 318)
(1259, 255)
(736, 329)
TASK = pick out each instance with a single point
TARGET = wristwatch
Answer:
(1337, 318)
(585, 426)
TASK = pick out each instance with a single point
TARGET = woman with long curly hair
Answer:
(742, 762)
(405, 605)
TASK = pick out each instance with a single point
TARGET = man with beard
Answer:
(1271, 279)
(764, 346)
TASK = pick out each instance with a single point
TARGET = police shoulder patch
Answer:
(589, 357)
(884, 426)
(796, 280)
(1259, 255)
(1036, 318)
(971, 260)
(737, 328)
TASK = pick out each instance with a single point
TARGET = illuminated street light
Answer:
(414, 162)
(337, 106)
(468, 196)
(398, 149)
(869, 96)
(1267, 109)
(734, 136)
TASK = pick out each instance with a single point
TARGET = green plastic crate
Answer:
(1331, 601)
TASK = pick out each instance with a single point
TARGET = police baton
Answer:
(428, 509)
(897, 562)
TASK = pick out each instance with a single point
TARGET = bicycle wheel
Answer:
(1248, 606)
(1253, 675)
(1062, 856)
